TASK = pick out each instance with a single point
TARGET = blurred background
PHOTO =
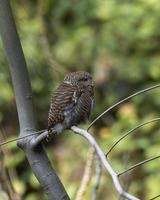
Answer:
(118, 42)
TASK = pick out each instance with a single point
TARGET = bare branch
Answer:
(138, 164)
(38, 159)
(123, 100)
(129, 132)
(125, 180)
(87, 175)
(105, 162)
(98, 177)
(20, 138)
(155, 197)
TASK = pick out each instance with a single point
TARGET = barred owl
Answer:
(72, 102)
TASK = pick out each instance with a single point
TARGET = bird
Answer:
(72, 102)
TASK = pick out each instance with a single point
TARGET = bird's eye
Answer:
(85, 79)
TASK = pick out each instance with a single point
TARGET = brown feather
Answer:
(72, 101)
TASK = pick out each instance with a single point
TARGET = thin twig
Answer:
(87, 175)
(123, 100)
(138, 164)
(98, 177)
(125, 181)
(105, 162)
(20, 138)
(131, 131)
(155, 197)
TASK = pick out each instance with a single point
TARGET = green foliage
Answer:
(119, 43)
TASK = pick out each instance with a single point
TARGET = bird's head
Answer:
(79, 78)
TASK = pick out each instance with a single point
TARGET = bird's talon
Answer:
(50, 134)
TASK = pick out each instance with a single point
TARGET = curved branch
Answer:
(155, 197)
(138, 164)
(123, 100)
(129, 132)
(105, 162)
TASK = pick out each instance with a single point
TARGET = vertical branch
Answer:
(97, 177)
(18, 68)
(86, 175)
(37, 157)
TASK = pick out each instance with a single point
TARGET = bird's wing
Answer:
(62, 98)
(80, 110)
(84, 106)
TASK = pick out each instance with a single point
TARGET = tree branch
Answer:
(20, 138)
(37, 157)
(86, 175)
(121, 101)
(155, 197)
(138, 164)
(131, 131)
(105, 162)
(97, 177)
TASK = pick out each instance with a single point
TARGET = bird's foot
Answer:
(51, 133)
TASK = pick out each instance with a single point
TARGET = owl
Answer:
(72, 102)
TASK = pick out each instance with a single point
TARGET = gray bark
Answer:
(37, 158)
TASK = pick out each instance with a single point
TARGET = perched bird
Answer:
(72, 101)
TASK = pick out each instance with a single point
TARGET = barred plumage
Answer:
(72, 102)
